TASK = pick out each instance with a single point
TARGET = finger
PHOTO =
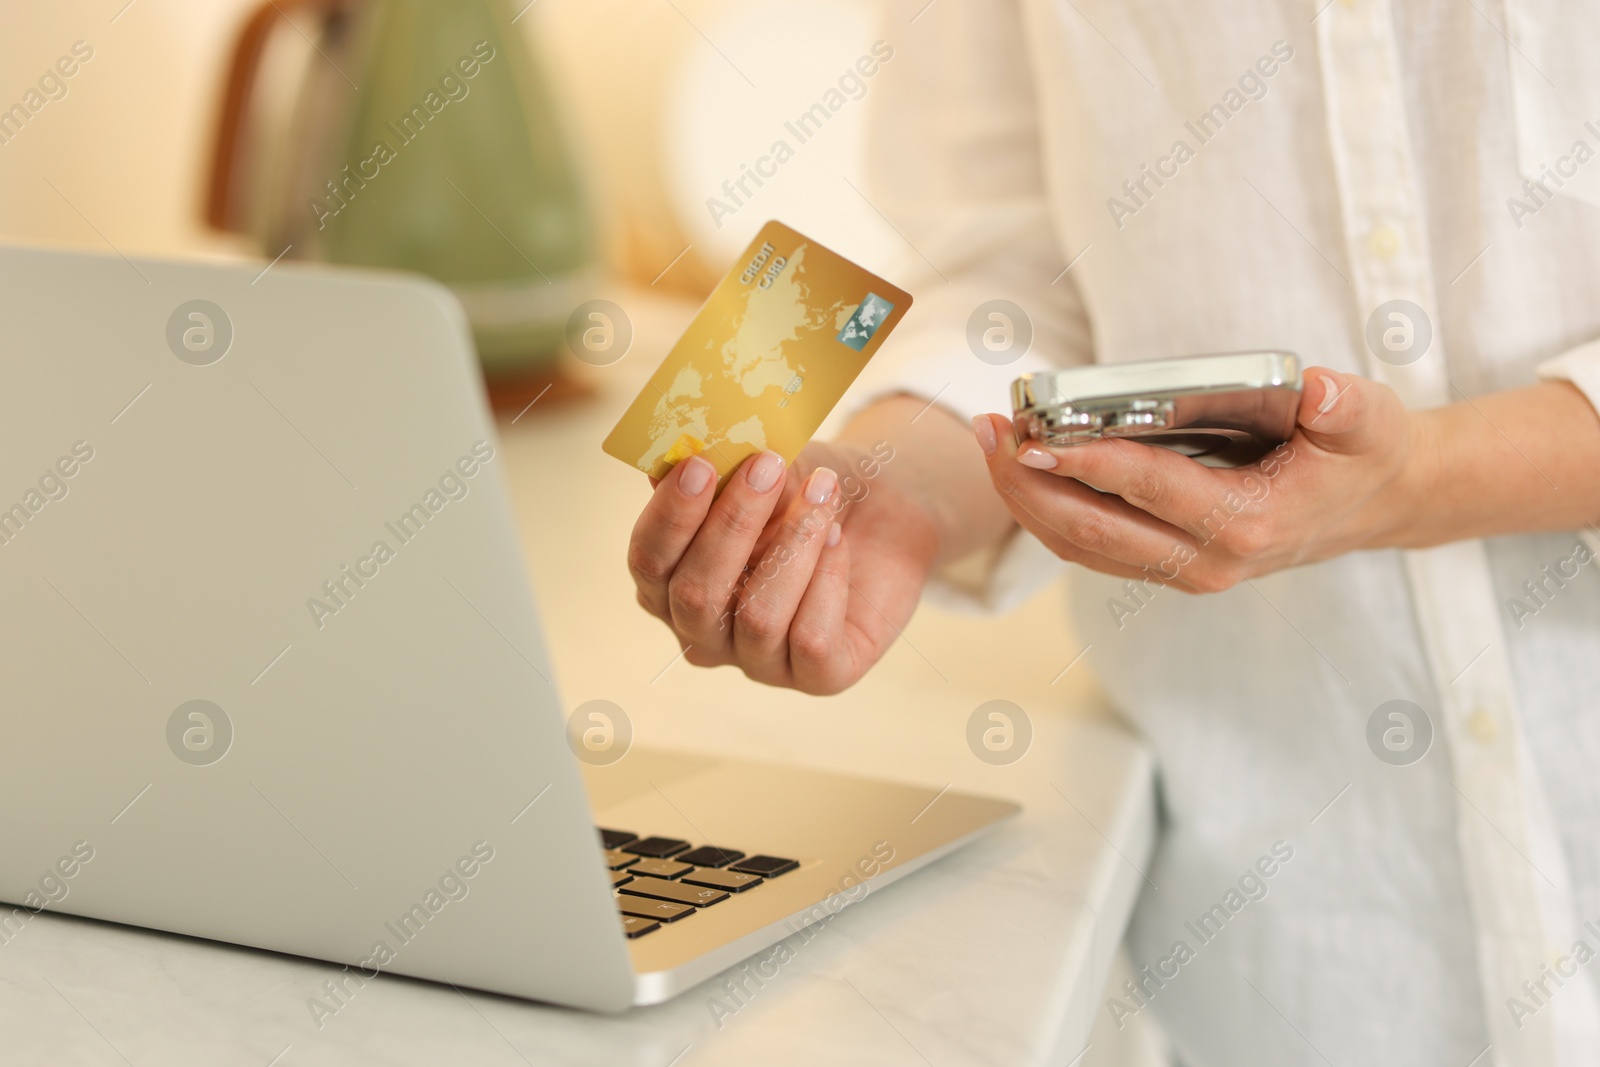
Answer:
(1205, 502)
(1097, 523)
(665, 529)
(823, 656)
(1163, 557)
(794, 476)
(1340, 412)
(700, 593)
(1159, 481)
(771, 594)
(1169, 570)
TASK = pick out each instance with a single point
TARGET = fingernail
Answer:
(764, 473)
(983, 429)
(834, 533)
(695, 477)
(821, 484)
(1036, 458)
(1330, 394)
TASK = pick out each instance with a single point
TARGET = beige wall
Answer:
(124, 146)
(119, 161)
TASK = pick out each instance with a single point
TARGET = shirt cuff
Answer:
(1581, 367)
(996, 579)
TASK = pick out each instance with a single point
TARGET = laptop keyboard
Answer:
(662, 880)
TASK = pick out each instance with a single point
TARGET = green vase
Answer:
(452, 162)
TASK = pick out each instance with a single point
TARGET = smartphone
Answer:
(1223, 410)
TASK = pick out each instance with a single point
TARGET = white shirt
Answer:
(1374, 151)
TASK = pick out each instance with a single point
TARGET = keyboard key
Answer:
(660, 868)
(633, 926)
(656, 847)
(620, 878)
(648, 908)
(617, 860)
(732, 881)
(711, 856)
(661, 889)
(610, 839)
(765, 866)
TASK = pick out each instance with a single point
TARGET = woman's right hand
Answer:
(800, 577)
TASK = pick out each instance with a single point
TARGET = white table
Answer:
(996, 955)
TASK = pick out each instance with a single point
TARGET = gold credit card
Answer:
(766, 358)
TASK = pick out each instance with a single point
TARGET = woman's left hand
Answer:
(1348, 479)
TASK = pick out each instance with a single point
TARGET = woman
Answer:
(1396, 191)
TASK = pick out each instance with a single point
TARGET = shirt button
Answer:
(1383, 243)
(1481, 724)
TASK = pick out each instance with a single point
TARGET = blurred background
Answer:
(633, 113)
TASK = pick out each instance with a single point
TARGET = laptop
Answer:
(274, 674)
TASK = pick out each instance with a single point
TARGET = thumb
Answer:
(1337, 411)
